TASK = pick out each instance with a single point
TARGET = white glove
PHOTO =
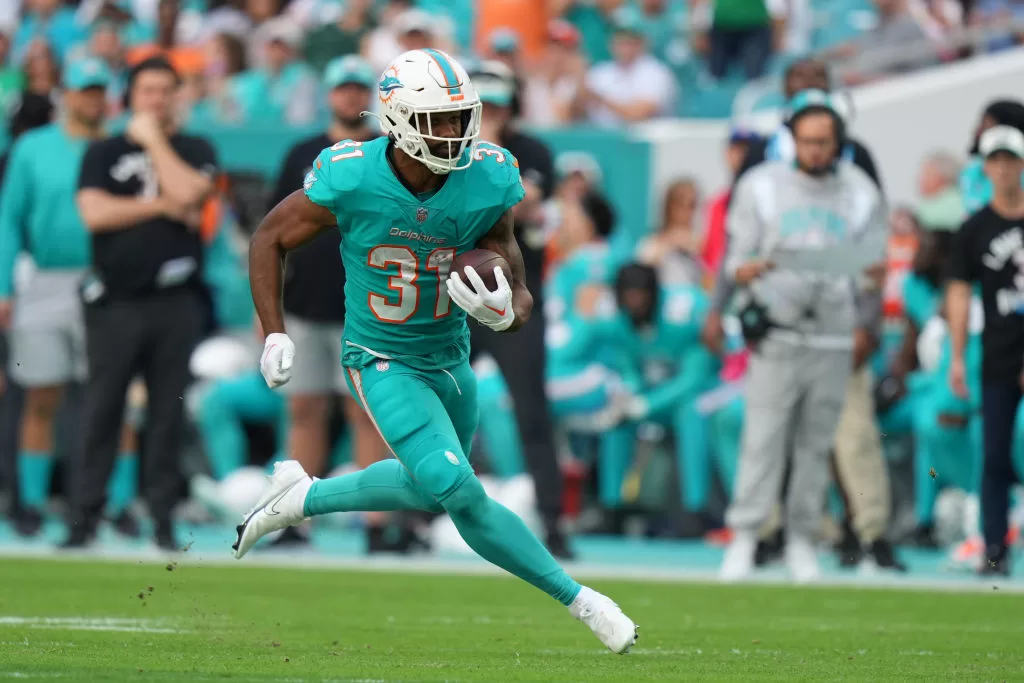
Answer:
(276, 361)
(493, 309)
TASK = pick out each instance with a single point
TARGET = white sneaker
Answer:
(605, 619)
(738, 563)
(281, 506)
(802, 559)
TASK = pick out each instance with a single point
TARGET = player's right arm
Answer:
(295, 221)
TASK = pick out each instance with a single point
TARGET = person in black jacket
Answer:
(521, 358)
(140, 195)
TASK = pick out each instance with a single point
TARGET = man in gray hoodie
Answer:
(802, 326)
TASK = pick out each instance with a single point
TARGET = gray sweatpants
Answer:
(794, 396)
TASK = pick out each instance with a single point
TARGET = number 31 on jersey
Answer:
(405, 300)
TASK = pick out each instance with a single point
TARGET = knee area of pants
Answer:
(466, 497)
(441, 470)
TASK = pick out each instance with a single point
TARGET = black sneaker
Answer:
(881, 551)
(848, 549)
(127, 525)
(28, 522)
(924, 537)
(558, 546)
(80, 536)
(996, 563)
(769, 550)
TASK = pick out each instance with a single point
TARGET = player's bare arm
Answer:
(293, 222)
(502, 240)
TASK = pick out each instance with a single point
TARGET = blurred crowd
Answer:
(604, 61)
(659, 458)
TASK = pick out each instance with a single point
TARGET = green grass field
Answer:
(89, 621)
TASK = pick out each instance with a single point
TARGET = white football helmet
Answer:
(416, 85)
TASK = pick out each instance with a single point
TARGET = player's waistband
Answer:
(358, 355)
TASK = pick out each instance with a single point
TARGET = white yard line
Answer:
(47, 675)
(472, 567)
(118, 624)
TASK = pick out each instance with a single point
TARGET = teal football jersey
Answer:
(669, 355)
(589, 265)
(920, 300)
(397, 247)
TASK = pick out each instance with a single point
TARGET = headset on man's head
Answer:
(818, 101)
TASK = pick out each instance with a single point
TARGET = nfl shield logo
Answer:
(383, 365)
(421, 215)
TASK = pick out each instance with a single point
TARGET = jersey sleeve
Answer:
(336, 171)
(503, 174)
(512, 183)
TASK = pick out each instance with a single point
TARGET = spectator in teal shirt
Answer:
(285, 90)
(52, 21)
(657, 336)
(594, 21)
(38, 217)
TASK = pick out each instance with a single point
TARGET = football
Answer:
(483, 262)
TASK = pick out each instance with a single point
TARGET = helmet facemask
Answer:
(413, 133)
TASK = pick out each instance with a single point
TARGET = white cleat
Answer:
(605, 619)
(738, 562)
(281, 506)
(802, 559)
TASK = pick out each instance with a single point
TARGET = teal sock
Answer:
(34, 471)
(384, 486)
(499, 536)
(124, 483)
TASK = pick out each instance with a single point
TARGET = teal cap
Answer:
(87, 72)
(628, 20)
(348, 69)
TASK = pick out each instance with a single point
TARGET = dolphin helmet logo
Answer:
(389, 83)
